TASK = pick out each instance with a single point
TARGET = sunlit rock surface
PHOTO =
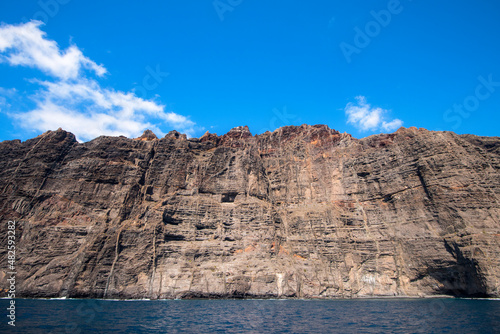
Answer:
(301, 212)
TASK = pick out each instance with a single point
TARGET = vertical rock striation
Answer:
(301, 212)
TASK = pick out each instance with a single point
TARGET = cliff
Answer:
(301, 212)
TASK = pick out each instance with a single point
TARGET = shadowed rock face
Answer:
(301, 212)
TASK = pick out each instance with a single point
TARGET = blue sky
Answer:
(362, 67)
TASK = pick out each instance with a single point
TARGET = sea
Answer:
(438, 315)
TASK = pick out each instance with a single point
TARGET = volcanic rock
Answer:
(147, 135)
(304, 211)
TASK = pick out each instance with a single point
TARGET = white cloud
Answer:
(8, 91)
(27, 45)
(366, 118)
(88, 111)
(3, 93)
(75, 102)
(392, 125)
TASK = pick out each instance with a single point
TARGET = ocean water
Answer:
(255, 316)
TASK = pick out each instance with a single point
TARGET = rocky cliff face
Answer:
(300, 212)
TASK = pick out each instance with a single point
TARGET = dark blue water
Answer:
(254, 316)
